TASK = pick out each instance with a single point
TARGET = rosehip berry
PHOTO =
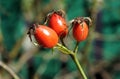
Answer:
(80, 29)
(58, 23)
(45, 36)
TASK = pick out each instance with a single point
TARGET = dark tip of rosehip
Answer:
(78, 20)
(29, 33)
(60, 12)
(31, 30)
(35, 26)
(88, 21)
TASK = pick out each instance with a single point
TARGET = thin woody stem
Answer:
(3, 65)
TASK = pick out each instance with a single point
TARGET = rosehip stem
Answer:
(62, 41)
(65, 50)
(76, 47)
(79, 66)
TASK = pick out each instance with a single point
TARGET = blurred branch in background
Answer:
(110, 37)
(15, 51)
(24, 58)
(8, 69)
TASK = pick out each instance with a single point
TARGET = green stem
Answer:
(76, 47)
(65, 50)
(79, 66)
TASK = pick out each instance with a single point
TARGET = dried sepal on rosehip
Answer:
(44, 35)
(88, 21)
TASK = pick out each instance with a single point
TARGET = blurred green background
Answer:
(100, 55)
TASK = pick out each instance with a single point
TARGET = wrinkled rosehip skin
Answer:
(45, 36)
(80, 32)
(58, 23)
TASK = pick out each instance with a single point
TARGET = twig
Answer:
(107, 37)
(79, 66)
(16, 47)
(74, 57)
(9, 70)
(76, 47)
(24, 58)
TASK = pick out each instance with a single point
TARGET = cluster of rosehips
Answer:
(55, 27)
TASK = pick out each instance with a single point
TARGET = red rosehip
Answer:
(45, 36)
(80, 30)
(58, 23)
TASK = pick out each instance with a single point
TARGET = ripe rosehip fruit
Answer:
(80, 30)
(58, 23)
(45, 36)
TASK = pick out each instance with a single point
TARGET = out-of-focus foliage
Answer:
(111, 26)
(31, 62)
(12, 23)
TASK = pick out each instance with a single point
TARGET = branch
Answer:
(3, 65)
(107, 37)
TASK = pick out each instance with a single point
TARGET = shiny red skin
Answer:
(80, 31)
(58, 23)
(45, 36)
